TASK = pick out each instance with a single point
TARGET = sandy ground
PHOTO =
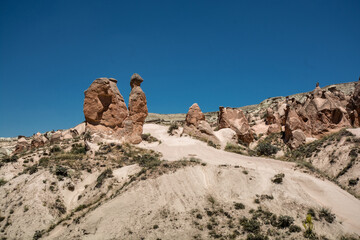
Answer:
(168, 200)
(355, 131)
(324, 192)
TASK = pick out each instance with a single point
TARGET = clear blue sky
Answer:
(229, 53)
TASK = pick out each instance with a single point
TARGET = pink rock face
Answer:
(354, 106)
(237, 121)
(104, 104)
(197, 126)
(194, 115)
(322, 113)
(38, 140)
(106, 112)
(138, 110)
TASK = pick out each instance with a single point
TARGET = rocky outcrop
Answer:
(104, 105)
(236, 120)
(321, 113)
(22, 145)
(38, 140)
(137, 108)
(353, 106)
(106, 112)
(196, 126)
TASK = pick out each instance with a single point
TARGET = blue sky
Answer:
(215, 53)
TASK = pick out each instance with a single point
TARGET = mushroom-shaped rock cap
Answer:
(135, 80)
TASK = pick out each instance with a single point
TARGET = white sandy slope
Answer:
(324, 192)
(132, 214)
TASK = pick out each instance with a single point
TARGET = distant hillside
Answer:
(211, 117)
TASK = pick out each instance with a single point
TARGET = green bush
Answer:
(147, 160)
(239, 206)
(211, 144)
(105, 174)
(327, 215)
(233, 148)
(148, 138)
(61, 171)
(257, 236)
(44, 161)
(32, 169)
(266, 149)
(78, 149)
(251, 225)
(353, 182)
(172, 127)
(284, 221)
(12, 158)
(278, 178)
(38, 234)
(2, 182)
(55, 149)
(294, 228)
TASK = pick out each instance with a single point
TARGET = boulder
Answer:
(298, 138)
(236, 120)
(104, 104)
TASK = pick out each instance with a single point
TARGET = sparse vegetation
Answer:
(100, 179)
(78, 149)
(278, 178)
(234, 148)
(353, 181)
(309, 226)
(266, 149)
(172, 127)
(284, 221)
(148, 138)
(239, 206)
(211, 144)
(2, 182)
(326, 214)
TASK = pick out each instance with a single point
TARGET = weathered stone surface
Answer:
(274, 128)
(298, 138)
(106, 112)
(270, 117)
(22, 145)
(104, 104)
(194, 115)
(38, 141)
(322, 112)
(237, 121)
(353, 106)
(196, 126)
(55, 137)
(138, 110)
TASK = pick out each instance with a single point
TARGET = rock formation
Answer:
(236, 120)
(104, 105)
(106, 112)
(197, 126)
(137, 108)
(22, 145)
(321, 113)
(38, 140)
(353, 106)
